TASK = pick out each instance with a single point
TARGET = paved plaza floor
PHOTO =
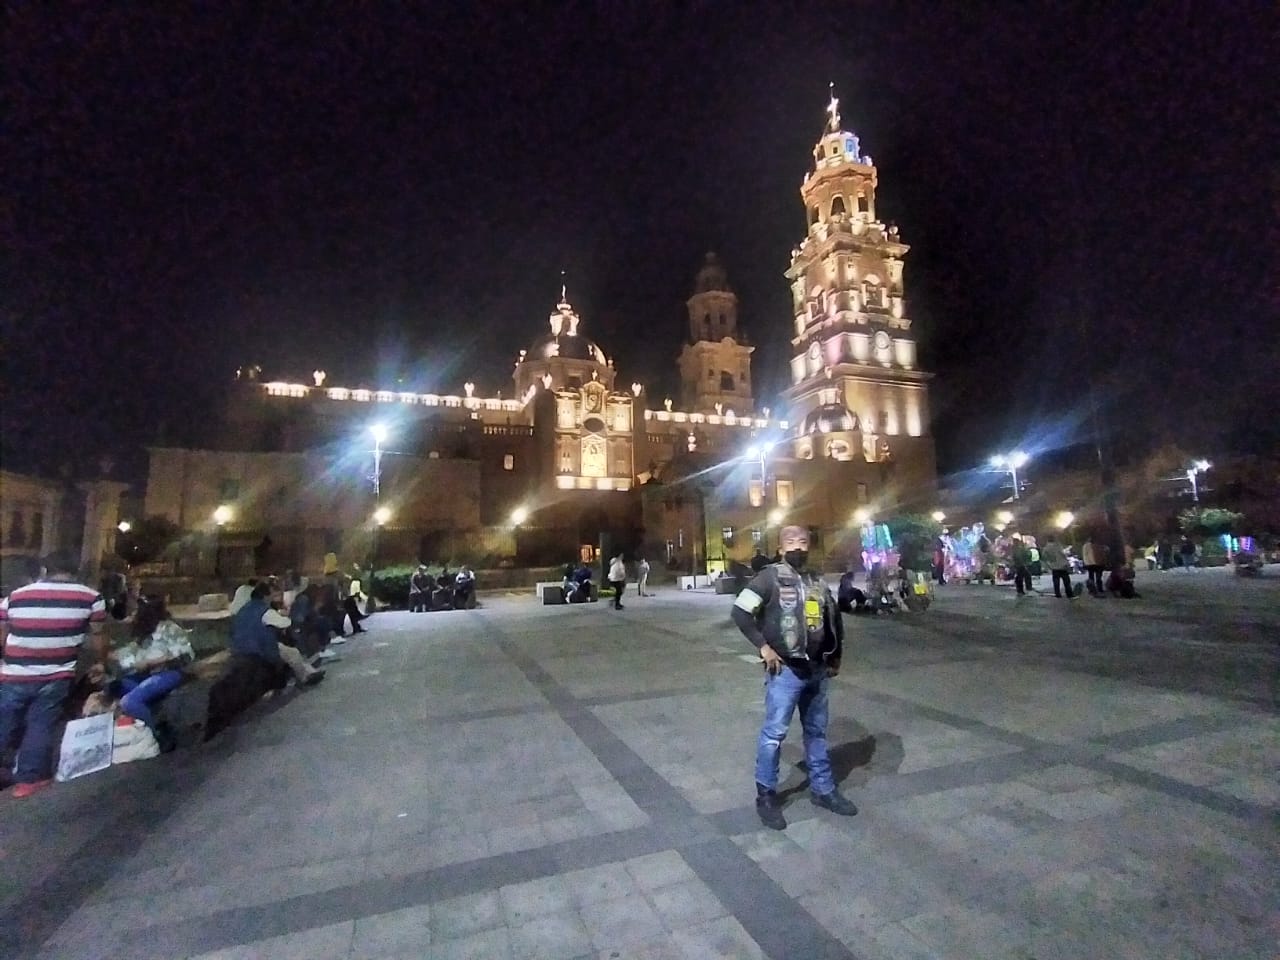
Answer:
(1038, 779)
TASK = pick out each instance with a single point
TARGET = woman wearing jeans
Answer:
(152, 663)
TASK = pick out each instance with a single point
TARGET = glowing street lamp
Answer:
(1193, 471)
(519, 515)
(381, 516)
(861, 515)
(221, 517)
(1005, 517)
(124, 526)
(776, 516)
(938, 516)
(1012, 463)
(1064, 519)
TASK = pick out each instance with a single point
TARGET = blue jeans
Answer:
(783, 693)
(142, 690)
(39, 707)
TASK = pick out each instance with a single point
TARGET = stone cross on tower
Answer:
(833, 110)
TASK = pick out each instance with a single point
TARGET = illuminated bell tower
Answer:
(715, 365)
(852, 347)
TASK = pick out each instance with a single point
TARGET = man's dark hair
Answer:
(61, 561)
(261, 591)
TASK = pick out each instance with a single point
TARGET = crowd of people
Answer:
(442, 591)
(279, 629)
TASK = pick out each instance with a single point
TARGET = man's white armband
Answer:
(749, 601)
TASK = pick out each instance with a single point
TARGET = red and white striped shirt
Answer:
(47, 622)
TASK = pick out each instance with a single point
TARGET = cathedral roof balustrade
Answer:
(508, 430)
(278, 388)
(728, 419)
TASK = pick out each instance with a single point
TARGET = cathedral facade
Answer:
(576, 460)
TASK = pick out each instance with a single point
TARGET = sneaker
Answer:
(27, 789)
(769, 808)
(325, 655)
(834, 801)
(313, 678)
(336, 641)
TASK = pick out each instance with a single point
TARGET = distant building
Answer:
(583, 459)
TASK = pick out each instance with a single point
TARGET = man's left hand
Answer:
(833, 669)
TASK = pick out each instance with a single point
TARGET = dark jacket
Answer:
(252, 637)
(792, 612)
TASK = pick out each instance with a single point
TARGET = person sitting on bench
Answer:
(255, 633)
(151, 664)
(421, 586)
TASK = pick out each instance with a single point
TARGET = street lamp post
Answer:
(380, 516)
(1012, 463)
(760, 453)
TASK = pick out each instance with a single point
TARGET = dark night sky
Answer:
(386, 194)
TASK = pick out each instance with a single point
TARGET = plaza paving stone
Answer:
(1037, 779)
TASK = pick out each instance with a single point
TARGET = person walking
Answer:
(42, 627)
(617, 580)
(1059, 566)
(642, 577)
(789, 615)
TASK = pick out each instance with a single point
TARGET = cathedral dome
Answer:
(563, 340)
(568, 345)
(829, 418)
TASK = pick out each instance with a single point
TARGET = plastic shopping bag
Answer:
(86, 746)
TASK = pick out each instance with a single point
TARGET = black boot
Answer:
(769, 808)
(836, 802)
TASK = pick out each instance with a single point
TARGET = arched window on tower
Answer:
(813, 216)
(837, 206)
(726, 381)
(864, 205)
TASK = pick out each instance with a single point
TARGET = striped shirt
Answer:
(47, 622)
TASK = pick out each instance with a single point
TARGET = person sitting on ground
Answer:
(421, 586)
(879, 590)
(848, 597)
(255, 633)
(151, 663)
(1120, 583)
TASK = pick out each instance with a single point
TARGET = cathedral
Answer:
(575, 460)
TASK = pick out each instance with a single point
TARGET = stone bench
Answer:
(542, 585)
(694, 582)
(212, 602)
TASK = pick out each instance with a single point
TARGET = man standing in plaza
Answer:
(790, 616)
(1021, 555)
(42, 627)
(1059, 566)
